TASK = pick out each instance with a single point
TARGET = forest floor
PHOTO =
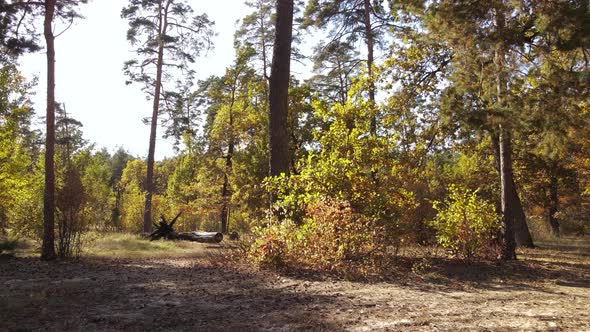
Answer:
(548, 288)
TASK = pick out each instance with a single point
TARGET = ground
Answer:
(548, 288)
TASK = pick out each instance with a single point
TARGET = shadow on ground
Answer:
(546, 288)
(177, 294)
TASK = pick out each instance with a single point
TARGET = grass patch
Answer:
(132, 246)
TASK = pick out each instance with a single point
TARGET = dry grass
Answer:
(122, 245)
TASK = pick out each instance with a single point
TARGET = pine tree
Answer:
(167, 39)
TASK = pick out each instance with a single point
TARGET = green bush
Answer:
(466, 225)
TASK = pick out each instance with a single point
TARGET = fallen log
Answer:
(203, 237)
(165, 230)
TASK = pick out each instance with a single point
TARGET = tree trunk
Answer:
(553, 202)
(225, 192)
(522, 235)
(279, 90)
(202, 237)
(149, 183)
(508, 202)
(369, 38)
(506, 173)
(48, 250)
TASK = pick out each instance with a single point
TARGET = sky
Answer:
(90, 80)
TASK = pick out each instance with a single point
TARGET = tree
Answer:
(17, 30)
(68, 134)
(118, 162)
(487, 39)
(335, 66)
(65, 11)
(168, 38)
(48, 250)
(18, 174)
(350, 21)
(554, 107)
(17, 35)
(279, 90)
(257, 31)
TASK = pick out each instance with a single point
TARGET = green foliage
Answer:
(21, 182)
(466, 225)
(99, 197)
(349, 165)
(132, 186)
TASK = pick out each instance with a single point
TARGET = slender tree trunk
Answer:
(505, 142)
(48, 250)
(506, 178)
(149, 183)
(225, 192)
(522, 235)
(342, 89)
(279, 90)
(370, 61)
(553, 202)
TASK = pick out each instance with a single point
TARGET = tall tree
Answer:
(16, 157)
(487, 40)
(17, 30)
(168, 38)
(257, 31)
(335, 66)
(48, 250)
(350, 21)
(17, 34)
(279, 89)
(505, 141)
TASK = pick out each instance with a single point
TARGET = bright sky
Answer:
(90, 81)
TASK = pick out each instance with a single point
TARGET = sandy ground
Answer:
(548, 289)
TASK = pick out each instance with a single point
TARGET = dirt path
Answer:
(548, 290)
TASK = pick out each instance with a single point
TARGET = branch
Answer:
(67, 28)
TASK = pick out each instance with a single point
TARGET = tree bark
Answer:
(279, 90)
(48, 247)
(369, 38)
(522, 235)
(506, 178)
(506, 173)
(225, 191)
(149, 183)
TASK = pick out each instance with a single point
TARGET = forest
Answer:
(432, 147)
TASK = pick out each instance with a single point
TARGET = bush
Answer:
(270, 249)
(70, 223)
(466, 225)
(332, 238)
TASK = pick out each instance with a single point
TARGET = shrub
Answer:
(70, 223)
(466, 225)
(270, 249)
(332, 237)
